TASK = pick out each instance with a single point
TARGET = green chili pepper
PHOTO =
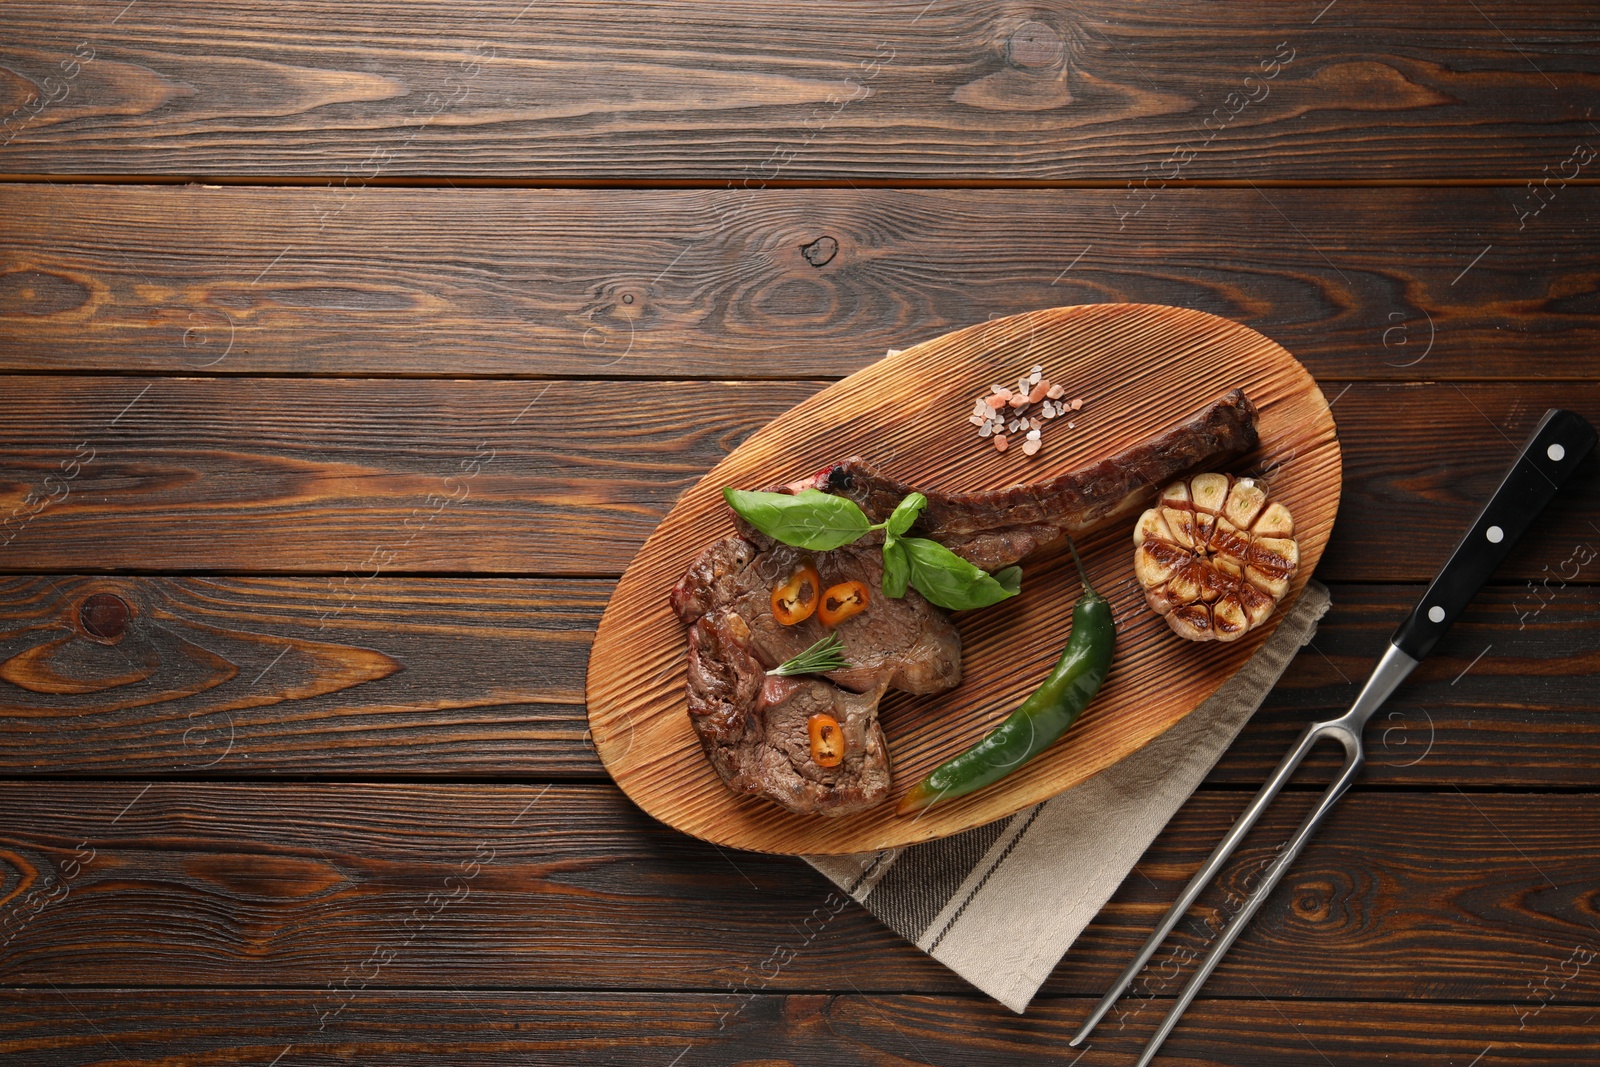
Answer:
(1042, 718)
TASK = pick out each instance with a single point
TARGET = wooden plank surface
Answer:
(360, 478)
(274, 675)
(386, 588)
(1436, 895)
(1368, 283)
(491, 679)
(56, 1028)
(744, 92)
(1506, 697)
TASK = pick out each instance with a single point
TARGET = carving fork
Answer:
(1558, 444)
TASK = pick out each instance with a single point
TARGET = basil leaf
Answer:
(950, 581)
(904, 514)
(810, 519)
(896, 569)
(1010, 580)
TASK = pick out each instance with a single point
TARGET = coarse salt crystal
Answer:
(995, 403)
(1000, 442)
(1033, 378)
(1037, 393)
(1072, 426)
(998, 389)
(985, 430)
(1033, 435)
(1077, 402)
(976, 420)
(1038, 369)
(1031, 447)
(1056, 392)
(1019, 400)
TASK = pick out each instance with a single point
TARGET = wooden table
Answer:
(352, 349)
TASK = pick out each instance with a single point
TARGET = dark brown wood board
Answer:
(556, 1029)
(1433, 895)
(493, 672)
(360, 478)
(638, 283)
(747, 93)
(228, 676)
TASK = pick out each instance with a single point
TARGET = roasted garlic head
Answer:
(1215, 556)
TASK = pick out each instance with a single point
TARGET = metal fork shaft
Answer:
(1392, 668)
(1191, 892)
(1274, 875)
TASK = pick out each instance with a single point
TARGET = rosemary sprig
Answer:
(826, 655)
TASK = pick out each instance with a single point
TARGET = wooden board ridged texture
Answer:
(1142, 369)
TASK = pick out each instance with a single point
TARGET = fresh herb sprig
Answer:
(824, 656)
(820, 521)
(808, 519)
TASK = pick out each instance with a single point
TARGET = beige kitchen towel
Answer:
(1001, 904)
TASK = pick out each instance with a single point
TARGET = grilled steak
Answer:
(754, 727)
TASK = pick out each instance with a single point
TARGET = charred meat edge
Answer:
(998, 528)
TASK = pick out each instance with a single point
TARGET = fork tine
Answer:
(1202, 877)
(1353, 762)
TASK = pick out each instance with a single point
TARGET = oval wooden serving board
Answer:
(1141, 368)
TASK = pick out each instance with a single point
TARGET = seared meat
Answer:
(907, 644)
(754, 727)
(996, 529)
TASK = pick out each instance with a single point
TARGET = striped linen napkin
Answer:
(1001, 904)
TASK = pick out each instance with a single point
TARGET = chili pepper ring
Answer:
(1041, 719)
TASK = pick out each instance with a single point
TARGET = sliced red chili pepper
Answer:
(841, 601)
(827, 740)
(795, 600)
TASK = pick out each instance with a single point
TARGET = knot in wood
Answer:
(1035, 45)
(104, 617)
(820, 253)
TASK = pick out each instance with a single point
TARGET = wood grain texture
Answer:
(1505, 699)
(1410, 495)
(555, 1029)
(1434, 896)
(1358, 283)
(1147, 368)
(1422, 928)
(356, 476)
(492, 672)
(273, 675)
(743, 92)
(359, 478)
